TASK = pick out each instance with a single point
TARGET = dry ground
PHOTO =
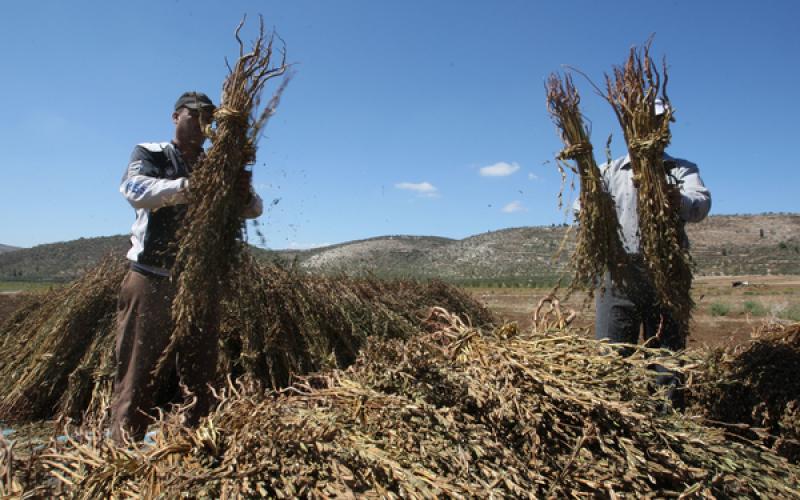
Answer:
(724, 314)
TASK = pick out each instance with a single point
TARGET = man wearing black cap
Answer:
(155, 184)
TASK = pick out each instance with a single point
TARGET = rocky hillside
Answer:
(747, 244)
(516, 255)
(721, 245)
(387, 255)
(7, 248)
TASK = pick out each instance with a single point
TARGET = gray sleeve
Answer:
(696, 198)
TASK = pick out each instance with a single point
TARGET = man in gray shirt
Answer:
(622, 310)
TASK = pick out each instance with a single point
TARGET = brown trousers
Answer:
(144, 327)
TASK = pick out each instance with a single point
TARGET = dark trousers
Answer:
(624, 309)
(144, 328)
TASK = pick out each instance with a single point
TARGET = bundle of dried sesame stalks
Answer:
(210, 243)
(598, 248)
(632, 92)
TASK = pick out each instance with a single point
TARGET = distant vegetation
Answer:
(515, 257)
(720, 309)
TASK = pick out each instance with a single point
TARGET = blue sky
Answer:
(398, 112)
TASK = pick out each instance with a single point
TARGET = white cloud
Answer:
(532, 176)
(425, 189)
(500, 169)
(514, 206)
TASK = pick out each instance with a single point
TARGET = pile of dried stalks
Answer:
(210, 242)
(56, 356)
(598, 248)
(454, 413)
(756, 384)
(632, 92)
(55, 342)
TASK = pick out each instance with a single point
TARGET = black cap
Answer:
(194, 100)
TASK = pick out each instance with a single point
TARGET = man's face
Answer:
(189, 125)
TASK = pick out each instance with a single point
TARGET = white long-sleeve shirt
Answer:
(618, 181)
(155, 184)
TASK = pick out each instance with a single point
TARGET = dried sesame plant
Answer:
(210, 244)
(459, 412)
(57, 353)
(632, 91)
(598, 248)
(47, 345)
(755, 384)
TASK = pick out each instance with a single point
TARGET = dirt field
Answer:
(725, 314)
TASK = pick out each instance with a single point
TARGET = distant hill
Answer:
(386, 255)
(59, 261)
(721, 245)
(7, 248)
(520, 255)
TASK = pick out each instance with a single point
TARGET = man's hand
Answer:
(243, 186)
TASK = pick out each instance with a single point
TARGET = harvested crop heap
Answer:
(56, 342)
(598, 247)
(756, 384)
(632, 92)
(56, 355)
(455, 413)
